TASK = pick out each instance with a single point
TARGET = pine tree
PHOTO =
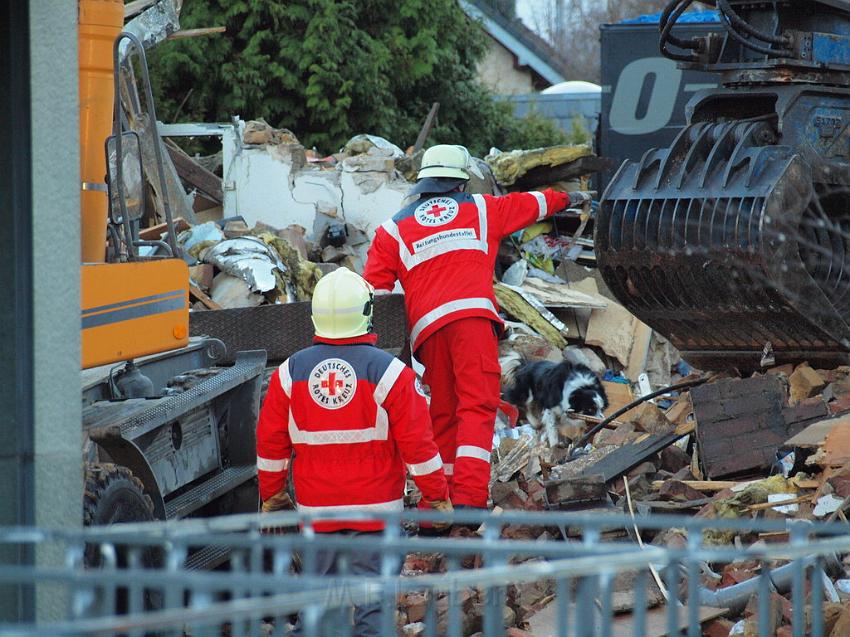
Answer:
(328, 69)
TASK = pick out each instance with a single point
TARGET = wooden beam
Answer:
(199, 294)
(194, 33)
(154, 233)
(140, 122)
(702, 485)
(136, 7)
(426, 127)
(195, 175)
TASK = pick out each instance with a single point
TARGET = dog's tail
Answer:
(515, 384)
(510, 362)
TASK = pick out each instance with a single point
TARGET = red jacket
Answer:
(354, 418)
(443, 251)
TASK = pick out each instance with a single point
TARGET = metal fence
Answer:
(138, 579)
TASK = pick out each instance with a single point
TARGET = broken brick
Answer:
(717, 628)
(805, 383)
(651, 419)
(677, 491)
(673, 459)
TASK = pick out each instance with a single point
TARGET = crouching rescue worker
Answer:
(442, 248)
(349, 418)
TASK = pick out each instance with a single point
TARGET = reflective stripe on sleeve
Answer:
(264, 464)
(424, 468)
(285, 378)
(388, 380)
(447, 308)
(481, 204)
(542, 207)
(471, 451)
(449, 469)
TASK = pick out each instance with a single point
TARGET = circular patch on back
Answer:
(420, 389)
(436, 211)
(332, 383)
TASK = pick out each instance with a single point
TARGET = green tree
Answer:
(328, 69)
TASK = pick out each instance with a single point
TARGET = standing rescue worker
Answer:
(353, 417)
(442, 248)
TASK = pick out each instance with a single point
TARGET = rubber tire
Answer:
(113, 494)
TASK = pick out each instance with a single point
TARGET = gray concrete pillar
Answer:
(40, 465)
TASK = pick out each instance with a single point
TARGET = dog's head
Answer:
(588, 401)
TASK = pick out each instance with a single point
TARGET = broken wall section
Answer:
(272, 179)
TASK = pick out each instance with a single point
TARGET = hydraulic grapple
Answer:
(734, 242)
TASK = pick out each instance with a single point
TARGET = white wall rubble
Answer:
(273, 184)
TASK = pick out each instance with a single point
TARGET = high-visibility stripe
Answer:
(392, 505)
(471, 451)
(542, 207)
(411, 260)
(388, 380)
(380, 431)
(448, 308)
(264, 464)
(449, 469)
(285, 378)
(424, 468)
(481, 204)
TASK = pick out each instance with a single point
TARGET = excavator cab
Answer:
(135, 297)
(733, 242)
(168, 425)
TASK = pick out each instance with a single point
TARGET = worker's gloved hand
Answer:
(441, 505)
(578, 197)
(278, 502)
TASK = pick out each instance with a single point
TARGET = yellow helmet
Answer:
(342, 305)
(446, 160)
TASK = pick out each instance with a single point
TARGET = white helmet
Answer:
(447, 160)
(342, 305)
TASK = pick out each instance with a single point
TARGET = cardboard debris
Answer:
(620, 335)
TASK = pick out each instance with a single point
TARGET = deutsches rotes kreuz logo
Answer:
(332, 383)
(436, 211)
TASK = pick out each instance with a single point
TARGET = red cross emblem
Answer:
(435, 210)
(332, 384)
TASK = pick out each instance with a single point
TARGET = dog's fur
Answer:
(548, 390)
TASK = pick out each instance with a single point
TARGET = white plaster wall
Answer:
(258, 185)
(264, 183)
(498, 71)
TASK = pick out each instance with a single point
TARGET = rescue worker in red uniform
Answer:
(355, 419)
(442, 248)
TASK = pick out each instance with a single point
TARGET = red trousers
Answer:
(462, 369)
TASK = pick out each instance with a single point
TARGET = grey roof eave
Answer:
(524, 55)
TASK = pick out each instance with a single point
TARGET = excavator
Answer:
(170, 398)
(733, 242)
(168, 429)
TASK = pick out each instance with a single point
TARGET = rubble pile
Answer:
(678, 454)
(775, 444)
(260, 256)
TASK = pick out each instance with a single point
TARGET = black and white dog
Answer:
(548, 390)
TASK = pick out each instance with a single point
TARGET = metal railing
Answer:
(134, 579)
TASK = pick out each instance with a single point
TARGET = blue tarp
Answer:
(691, 17)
